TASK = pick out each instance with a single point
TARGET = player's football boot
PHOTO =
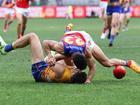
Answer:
(2, 51)
(134, 66)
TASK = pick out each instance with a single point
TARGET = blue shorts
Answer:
(113, 9)
(125, 10)
(37, 69)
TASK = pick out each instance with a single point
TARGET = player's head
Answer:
(79, 60)
(69, 27)
(79, 77)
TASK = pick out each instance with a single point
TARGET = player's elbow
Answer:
(45, 42)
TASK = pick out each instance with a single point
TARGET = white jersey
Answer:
(89, 42)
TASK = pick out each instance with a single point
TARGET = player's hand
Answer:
(51, 60)
(87, 81)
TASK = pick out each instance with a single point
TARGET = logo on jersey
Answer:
(74, 40)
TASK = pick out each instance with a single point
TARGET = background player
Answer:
(125, 15)
(22, 9)
(41, 70)
(103, 5)
(113, 14)
(10, 13)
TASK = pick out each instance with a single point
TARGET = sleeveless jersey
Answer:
(49, 75)
(22, 3)
(73, 41)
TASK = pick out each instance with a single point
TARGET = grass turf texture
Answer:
(17, 86)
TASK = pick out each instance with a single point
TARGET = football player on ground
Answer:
(10, 13)
(42, 71)
(81, 42)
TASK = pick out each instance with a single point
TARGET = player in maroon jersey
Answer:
(22, 9)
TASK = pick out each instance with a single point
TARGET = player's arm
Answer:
(59, 57)
(51, 45)
(4, 3)
(91, 66)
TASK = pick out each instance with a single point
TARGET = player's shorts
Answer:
(125, 10)
(113, 9)
(37, 69)
(23, 11)
(89, 41)
(10, 11)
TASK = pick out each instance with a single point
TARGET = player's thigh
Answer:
(122, 17)
(19, 17)
(109, 20)
(99, 54)
(24, 19)
(115, 18)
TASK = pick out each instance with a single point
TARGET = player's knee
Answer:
(113, 25)
(45, 42)
(33, 36)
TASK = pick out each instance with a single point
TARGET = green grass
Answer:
(17, 86)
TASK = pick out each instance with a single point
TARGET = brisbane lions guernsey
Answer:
(73, 41)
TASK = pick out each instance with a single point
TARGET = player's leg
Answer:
(114, 27)
(105, 61)
(122, 21)
(19, 18)
(105, 29)
(29, 39)
(23, 24)
(11, 19)
(127, 20)
(5, 22)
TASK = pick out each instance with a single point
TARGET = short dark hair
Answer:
(79, 77)
(79, 60)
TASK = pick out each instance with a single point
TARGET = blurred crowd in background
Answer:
(71, 2)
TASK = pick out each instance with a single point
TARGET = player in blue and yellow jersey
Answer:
(10, 13)
(42, 71)
(113, 14)
(125, 14)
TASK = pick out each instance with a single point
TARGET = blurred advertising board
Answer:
(61, 11)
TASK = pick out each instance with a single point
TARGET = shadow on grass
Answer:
(116, 82)
(32, 83)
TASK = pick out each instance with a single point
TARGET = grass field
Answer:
(17, 86)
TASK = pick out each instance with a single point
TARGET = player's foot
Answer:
(103, 36)
(4, 30)
(134, 66)
(2, 51)
(110, 45)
